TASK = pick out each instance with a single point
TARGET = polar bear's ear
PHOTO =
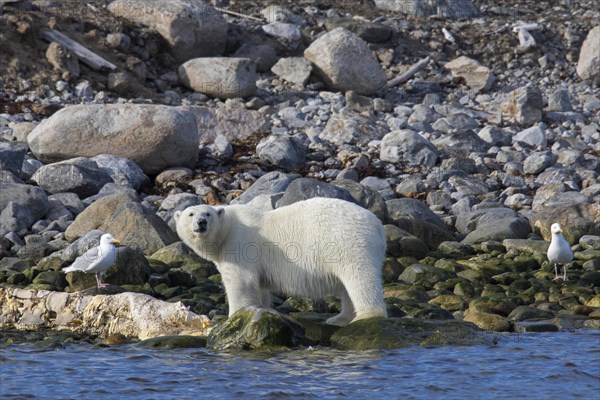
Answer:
(177, 215)
(220, 212)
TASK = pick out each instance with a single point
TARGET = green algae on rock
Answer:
(394, 333)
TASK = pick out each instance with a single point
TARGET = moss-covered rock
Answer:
(492, 305)
(52, 278)
(51, 263)
(18, 278)
(178, 255)
(464, 289)
(492, 247)
(456, 249)
(425, 275)
(174, 342)
(535, 327)
(526, 245)
(393, 333)
(506, 278)
(594, 301)
(592, 324)
(405, 292)
(523, 313)
(179, 277)
(391, 270)
(488, 321)
(401, 243)
(431, 311)
(316, 331)
(256, 328)
(300, 304)
(450, 302)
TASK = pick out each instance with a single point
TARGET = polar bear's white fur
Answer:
(312, 248)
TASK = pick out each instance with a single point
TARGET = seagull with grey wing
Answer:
(559, 251)
(97, 259)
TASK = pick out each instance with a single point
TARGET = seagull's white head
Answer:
(556, 228)
(108, 240)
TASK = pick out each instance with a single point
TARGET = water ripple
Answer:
(553, 366)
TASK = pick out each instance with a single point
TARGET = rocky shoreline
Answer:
(468, 130)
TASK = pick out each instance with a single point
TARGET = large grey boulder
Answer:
(15, 218)
(80, 175)
(470, 221)
(307, 188)
(12, 155)
(155, 137)
(282, 151)
(416, 218)
(588, 66)
(264, 56)
(122, 170)
(126, 219)
(220, 77)
(30, 197)
(192, 28)
(365, 196)
(268, 184)
(577, 214)
(231, 123)
(499, 229)
(408, 146)
(344, 62)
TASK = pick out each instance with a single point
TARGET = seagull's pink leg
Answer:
(100, 284)
(556, 277)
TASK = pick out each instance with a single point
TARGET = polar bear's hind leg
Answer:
(347, 313)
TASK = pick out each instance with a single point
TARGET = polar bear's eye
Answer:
(191, 214)
(206, 215)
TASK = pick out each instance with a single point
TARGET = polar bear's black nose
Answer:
(202, 225)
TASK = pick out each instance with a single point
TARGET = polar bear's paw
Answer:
(339, 320)
(370, 314)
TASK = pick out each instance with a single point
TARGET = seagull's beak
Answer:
(115, 241)
(559, 230)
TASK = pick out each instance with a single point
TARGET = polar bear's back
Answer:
(324, 236)
(326, 217)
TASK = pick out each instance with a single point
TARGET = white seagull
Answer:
(97, 259)
(559, 251)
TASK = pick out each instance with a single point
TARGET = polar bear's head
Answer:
(198, 223)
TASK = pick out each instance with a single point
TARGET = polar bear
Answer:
(311, 248)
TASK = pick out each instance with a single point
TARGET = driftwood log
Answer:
(85, 55)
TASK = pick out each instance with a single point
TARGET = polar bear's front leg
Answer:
(265, 298)
(242, 289)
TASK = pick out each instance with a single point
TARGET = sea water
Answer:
(564, 365)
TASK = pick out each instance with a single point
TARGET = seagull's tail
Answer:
(69, 269)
